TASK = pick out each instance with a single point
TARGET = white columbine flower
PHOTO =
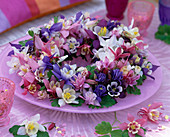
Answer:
(31, 127)
(68, 71)
(39, 74)
(138, 70)
(147, 65)
(102, 32)
(132, 32)
(68, 95)
(73, 44)
(14, 65)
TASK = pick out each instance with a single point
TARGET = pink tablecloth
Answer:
(84, 123)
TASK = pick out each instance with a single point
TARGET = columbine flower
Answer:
(85, 49)
(39, 75)
(83, 71)
(68, 70)
(78, 82)
(100, 91)
(90, 97)
(73, 44)
(31, 127)
(101, 77)
(105, 64)
(101, 32)
(68, 95)
(14, 65)
(134, 127)
(152, 113)
(42, 94)
(114, 90)
(24, 69)
(117, 76)
(131, 32)
(138, 70)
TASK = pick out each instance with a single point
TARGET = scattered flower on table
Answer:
(99, 60)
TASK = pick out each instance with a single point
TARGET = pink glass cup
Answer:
(7, 89)
(142, 11)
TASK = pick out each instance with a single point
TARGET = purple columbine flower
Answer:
(100, 91)
(101, 77)
(78, 16)
(47, 64)
(112, 24)
(114, 89)
(117, 75)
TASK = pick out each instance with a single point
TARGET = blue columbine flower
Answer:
(100, 91)
(117, 75)
(114, 89)
(101, 77)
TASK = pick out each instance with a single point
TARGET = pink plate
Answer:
(148, 89)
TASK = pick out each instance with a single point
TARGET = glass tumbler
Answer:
(142, 11)
(7, 89)
(164, 12)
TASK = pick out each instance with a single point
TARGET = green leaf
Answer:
(54, 102)
(136, 135)
(21, 136)
(42, 134)
(91, 69)
(105, 136)
(143, 129)
(125, 133)
(31, 33)
(42, 88)
(107, 101)
(56, 19)
(22, 43)
(80, 100)
(92, 106)
(133, 90)
(116, 133)
(141, 80)
(163, 33)
(103, 128)
(49, 74)
(22, 86)
(14, 129)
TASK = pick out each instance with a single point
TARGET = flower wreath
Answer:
(81, 60)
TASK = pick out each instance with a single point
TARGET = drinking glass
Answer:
(7, 89)
(164, 11)
(142, 11)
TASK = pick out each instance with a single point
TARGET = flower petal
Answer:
(141, 132)
(123, 126)
(24, 122)
(155, 105)
(35, 135)
(131, 135)
(35, 118)
(41, 128)
(130, 117)
(141, 121)
(61, 102)
(21, 131)
(59, 92)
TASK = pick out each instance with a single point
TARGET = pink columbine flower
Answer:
(79, 82)
(85, 49)
(130, 78)
(151, 114)
(134, 126)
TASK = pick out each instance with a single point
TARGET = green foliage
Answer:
(54, 102)
(163, 33)
(116, 133)
(56, 19)
(107, 101)
(103, 128)
(49, 74)
(31, 33)
(125, 133)
(141, 80)
(13, 130)
(42, 88)
(42, 134)
(91, 69)
(22, 43)
(80, 100)
(21, 136)
(133, 90)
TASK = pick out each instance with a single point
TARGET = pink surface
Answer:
(147, 89)
(84, 123)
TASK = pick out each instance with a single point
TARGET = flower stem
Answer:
(116, 120)
(46, 123)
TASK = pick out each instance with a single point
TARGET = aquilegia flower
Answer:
(152, 113)
(101, 77)
(134, 126)
(73, 44)
(100, 91)
(31, 127)
(117, 75)
(114, 89)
